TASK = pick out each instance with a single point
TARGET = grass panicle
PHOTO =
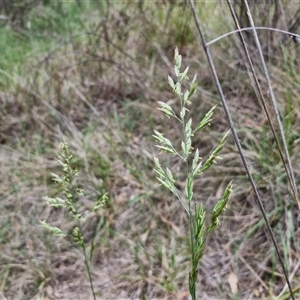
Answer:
(71, 193)
(196, 211)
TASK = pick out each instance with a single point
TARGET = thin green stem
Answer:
(192, 282)
(88, 271)
(182, 203)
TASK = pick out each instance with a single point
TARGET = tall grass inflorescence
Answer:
(199, 226)
(71, 193)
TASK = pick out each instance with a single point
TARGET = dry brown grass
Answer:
(99, 92)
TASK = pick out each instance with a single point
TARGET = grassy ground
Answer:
(92, 75)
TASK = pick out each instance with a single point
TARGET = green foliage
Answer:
(56, 18)
(195, 211)
(16, 12)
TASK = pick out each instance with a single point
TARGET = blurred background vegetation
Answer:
(91, 72)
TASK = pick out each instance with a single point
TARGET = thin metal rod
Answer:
(234, 132)
(290, 170)
(248, 29)
(287, 165)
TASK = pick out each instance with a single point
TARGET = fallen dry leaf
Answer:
(233, 282)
